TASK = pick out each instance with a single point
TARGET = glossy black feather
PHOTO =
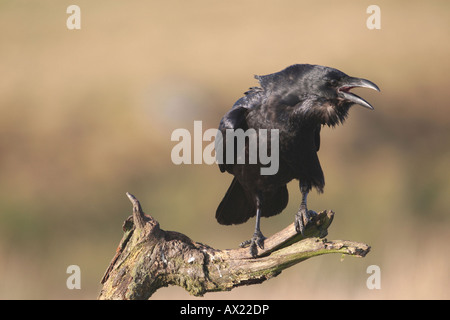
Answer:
(297, 101)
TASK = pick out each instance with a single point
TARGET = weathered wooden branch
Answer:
(149, 258)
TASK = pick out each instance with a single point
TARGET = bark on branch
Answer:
(149, 258)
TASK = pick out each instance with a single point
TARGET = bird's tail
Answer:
(235, 207)
(275, 202)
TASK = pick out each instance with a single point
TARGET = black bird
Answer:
(297, 101)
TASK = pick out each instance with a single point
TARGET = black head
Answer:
(324, 92)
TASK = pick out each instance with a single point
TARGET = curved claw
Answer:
(256, 241)
(302, 219)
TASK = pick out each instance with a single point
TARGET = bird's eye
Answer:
(333, 82)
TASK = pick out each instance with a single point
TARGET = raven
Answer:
(297, 101)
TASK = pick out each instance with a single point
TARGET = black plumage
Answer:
(297, 101)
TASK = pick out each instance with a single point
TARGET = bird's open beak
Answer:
(344, 90)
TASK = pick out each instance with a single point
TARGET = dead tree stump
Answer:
(149, 258)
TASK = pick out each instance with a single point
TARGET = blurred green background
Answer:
(86, 115)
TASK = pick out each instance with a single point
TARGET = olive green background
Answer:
(87, 115)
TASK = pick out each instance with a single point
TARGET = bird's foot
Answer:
(256, 241)
(303, 218)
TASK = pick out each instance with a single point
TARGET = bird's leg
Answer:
(303, 216)
(258, 238)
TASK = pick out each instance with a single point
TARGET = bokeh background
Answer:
(87, 115)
